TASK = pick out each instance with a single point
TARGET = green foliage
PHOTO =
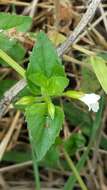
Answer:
(52, 158)
(100, 69)
(103, 143)
(46, 77)
(89, 82)
(44, 58)
(103, 55)
(12, 47)
(17, 156)
(8, 44)
(44, 64)
(42, 129)
(8, 21)
(75, 142)
(56, 85)
(73, 94)
(83, 120)
(26, 100)
(5, 85)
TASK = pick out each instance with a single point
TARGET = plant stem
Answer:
(35, 165)
(12, 63)
(36, 172)
(73, 168)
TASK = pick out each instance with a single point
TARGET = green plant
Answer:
(46, 82)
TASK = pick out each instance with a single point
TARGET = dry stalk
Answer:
(7, 137)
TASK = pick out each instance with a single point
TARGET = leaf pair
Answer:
(45, 69)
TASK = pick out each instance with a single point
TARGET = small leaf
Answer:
(89, 82)
(5, 85)
(16, 156)
(103, 55)
(26, 92)
(42, 129)
(39, 79)
(56, 85)
(75, 142)
(73, 94)
(13, 48)
(21, 23)
(26, 100)
(34, 89)
(100, 69)
(56, 38)
(51, 109)
(77, 117)
(44, 63)
(44, 57)
(52, 158)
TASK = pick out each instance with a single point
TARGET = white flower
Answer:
(91, 100)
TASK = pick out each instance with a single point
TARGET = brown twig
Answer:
(10, 94)
(57, 10)
(80, 27)
(3, 183)
(33, 9)
(103, 16)
(15, 167)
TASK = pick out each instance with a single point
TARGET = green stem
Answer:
(35, 164)
(73, 168)
(36, 172)
(12, 63)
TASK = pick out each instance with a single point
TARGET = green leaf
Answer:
(25, 92)
(44, 58)
(39, 79)
(21, 23)
(44, 63)
(73, 94)
(103, 143)
(52, 158)
(103, 55)
(34, 89)
(51, 109)
(5, 85)
(83, 120)
(26, 100)
(13, 48)
(56, 85)
(89, 82)
(42, 129)
(74, 142)
(17, 156)
(100, 69)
